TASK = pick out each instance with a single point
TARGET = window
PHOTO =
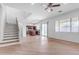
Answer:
(57, 26)
(67, 25)
(75, 25)
(62, 25)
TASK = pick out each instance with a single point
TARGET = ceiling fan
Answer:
(50, 6)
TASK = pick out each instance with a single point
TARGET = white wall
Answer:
(11, 14)
(2, 20)
(74, 37)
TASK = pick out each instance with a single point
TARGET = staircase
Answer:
(10, 34)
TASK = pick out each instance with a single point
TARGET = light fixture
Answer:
(32, 3)
(49, 9)
(50, 6)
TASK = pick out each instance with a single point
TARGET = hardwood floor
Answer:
(36, 45)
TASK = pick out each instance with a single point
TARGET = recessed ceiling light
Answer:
(32, 3)
(44, 5)
(65, 3)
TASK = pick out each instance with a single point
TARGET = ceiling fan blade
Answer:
(56, 5)
(46, 8)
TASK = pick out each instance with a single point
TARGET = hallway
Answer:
(36, 45)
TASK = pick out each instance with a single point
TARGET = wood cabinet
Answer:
(31, 30)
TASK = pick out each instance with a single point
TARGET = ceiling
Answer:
(37, 10)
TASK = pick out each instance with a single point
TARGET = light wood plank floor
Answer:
(37, 45)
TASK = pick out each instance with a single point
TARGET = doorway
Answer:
(44, 29)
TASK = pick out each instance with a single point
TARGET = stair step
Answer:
(10, 38)
(10, 31)
(9, 44)
(11, 35)
(5, 36)
(9, 41)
